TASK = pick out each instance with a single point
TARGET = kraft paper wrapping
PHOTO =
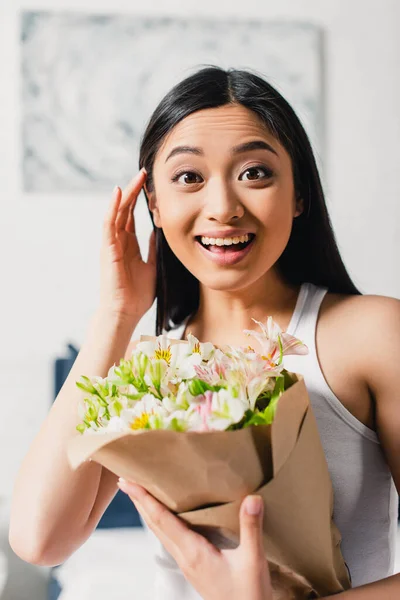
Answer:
(204, 476)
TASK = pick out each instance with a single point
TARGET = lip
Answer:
(223, 233)
(227, 258)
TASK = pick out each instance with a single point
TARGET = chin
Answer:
(228, 281)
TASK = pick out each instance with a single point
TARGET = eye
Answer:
(190, 176)
(253, 171)
(187, 173)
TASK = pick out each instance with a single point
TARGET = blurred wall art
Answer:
(90, 82)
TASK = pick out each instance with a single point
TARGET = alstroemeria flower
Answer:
(176, 356)
(215, 371)
(205, 349)
(166, 385)
(179, 401)
(193, 354)
(218, 410)
(273, 341)
(179, 420)
(159, 348)
(156, 377)
(137, 417)
(116, 424)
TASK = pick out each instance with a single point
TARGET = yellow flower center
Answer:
(163, 354)
(268, 358)
(140, 422)
(196, 348)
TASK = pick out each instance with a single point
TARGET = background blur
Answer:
(76, 90)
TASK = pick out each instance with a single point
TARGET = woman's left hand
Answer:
(215, 574)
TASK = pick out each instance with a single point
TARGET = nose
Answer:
(222, 203)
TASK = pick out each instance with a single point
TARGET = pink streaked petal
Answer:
(292, 345)
(265, 343)
(273, 329)
(261, 325)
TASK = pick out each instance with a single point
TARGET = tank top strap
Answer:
(309, 298)
(299, 308)
(305, 323)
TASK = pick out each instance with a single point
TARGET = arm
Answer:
(54, 509)
(379, 365)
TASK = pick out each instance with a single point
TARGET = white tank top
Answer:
(365, 497)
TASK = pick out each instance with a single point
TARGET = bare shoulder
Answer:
(361, 315)
(365, 334)
(361, 329)
(355, 335)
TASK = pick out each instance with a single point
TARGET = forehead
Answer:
(215, 128)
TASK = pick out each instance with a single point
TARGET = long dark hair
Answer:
(311, 253)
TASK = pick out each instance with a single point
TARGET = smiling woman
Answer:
(241, 232)
(242, 228)
(227, 156)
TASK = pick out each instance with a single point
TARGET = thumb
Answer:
(152, 256)
(251, 526)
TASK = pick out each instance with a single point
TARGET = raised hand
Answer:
(128, 284)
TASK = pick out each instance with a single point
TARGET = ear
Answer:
(299, 206)
(153, 207)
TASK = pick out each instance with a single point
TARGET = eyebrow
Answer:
(246, 147)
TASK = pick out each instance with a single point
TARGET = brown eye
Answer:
(189, 177)
(253, 173)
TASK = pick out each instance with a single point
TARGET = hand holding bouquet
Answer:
(200, 427)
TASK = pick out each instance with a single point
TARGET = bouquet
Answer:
(201, 427)
(192, 386)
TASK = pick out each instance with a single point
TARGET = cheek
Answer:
(177, 224)
(275, 226)
(274, 215)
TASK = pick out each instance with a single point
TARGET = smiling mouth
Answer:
(231, 248)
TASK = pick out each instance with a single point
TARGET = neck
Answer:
(223, 315)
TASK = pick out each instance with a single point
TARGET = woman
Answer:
(241, 231)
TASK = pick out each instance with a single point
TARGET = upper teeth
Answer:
(224, 241)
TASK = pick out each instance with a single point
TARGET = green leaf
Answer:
(257, 419)
(118, 407)
(197, 387)
(85, 388)
(92, 413)
(137, 396)
(288, 381)
(175, 425)
(278, 390)
(280, 350)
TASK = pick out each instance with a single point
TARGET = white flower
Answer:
(180, 401)
(137, 417)
(273, 341)
(217, 411)
(190, 386)
(117, 424)
(204, 349)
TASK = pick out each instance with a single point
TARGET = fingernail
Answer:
(128, 487)
(122, 484)
(144, 170)
(253, 505)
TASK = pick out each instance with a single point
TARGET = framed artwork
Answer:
(90, 83)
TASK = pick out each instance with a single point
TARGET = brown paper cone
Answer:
(205, 476)
(299, 533)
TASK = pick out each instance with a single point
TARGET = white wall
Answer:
(49, 246)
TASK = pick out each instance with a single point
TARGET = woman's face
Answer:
(212, 187)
